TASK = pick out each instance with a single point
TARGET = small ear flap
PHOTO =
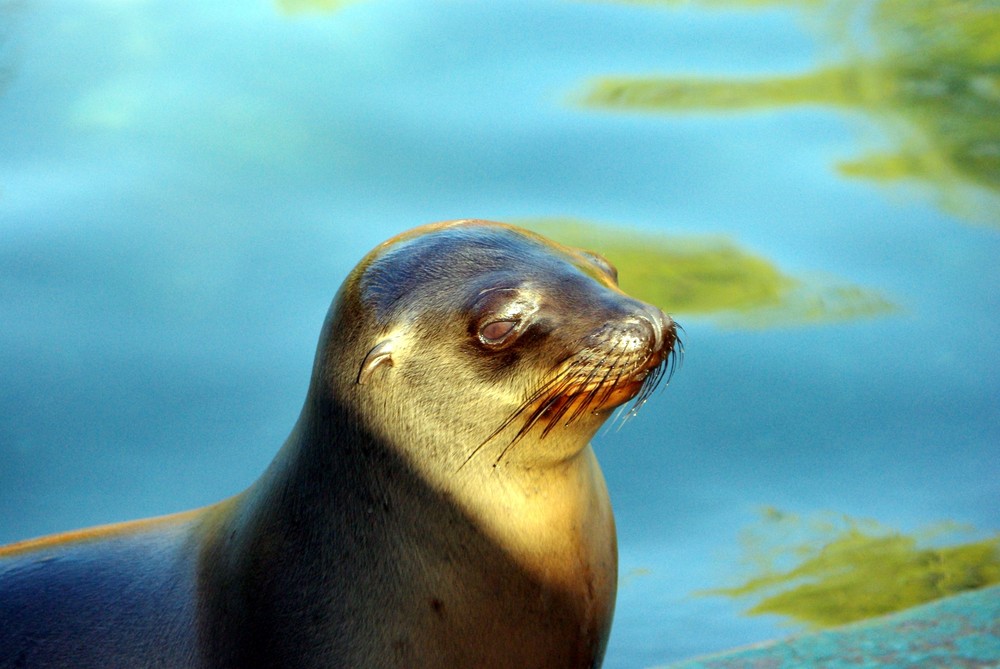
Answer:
(378, 356)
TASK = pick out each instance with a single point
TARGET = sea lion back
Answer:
(118, 601)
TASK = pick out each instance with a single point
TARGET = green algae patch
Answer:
(830, 570)
(691, 94)
(713, 276)
(926, 71)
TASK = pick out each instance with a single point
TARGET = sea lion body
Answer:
(116, 596)
(436, 505)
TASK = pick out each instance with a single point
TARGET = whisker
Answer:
(569, 380)
(644, 394)
(540, 392)
(649, 386)
(582, 407)
(610, 387)
(676, 354)
(659, 377)
(552, 388)
(542, 409)
(534, 418)
(555, 418)
(616, 417)
(605, 369)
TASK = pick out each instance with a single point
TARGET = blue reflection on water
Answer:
(183, 187)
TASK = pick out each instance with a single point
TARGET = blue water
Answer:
(184, 185)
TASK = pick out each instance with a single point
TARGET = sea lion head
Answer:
(485, 345)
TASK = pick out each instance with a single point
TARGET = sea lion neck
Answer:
(327, 443)
(355, 530)
(442, 456)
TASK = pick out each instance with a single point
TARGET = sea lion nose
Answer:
(661, 326)
(645, 328)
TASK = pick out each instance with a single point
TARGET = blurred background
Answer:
(811, 188)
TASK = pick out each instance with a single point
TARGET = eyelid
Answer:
(496, 331)
(495, 289)
(518, 310)
(519, 307)
(502, 313)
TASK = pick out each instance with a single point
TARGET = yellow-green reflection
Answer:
(831, 569)
(301, 6)
(711, 275)
(752, 4)
(632, 575)
(928, 70)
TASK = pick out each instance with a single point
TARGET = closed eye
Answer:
(496, 331)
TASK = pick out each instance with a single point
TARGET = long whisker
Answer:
(569, 379)
(540, 392)
(621, 371)
(676, 354)
(582, 406)
(649, 385)
(554, 419)
(604, 370)
(616, 417)
(543, 407)
(552, 388)
(537, 414)
(582, 403)
(588, 402)
(659, 377)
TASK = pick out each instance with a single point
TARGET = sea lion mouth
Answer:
(596, 396)
(618, 363)
(598, 381)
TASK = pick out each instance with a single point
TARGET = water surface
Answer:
(184, 185)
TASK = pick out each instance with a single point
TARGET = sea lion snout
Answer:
(649, 329)
(646, 336)
(662, 326)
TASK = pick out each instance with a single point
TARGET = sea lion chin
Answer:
(437, 503)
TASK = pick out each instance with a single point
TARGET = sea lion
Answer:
(437, 504)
